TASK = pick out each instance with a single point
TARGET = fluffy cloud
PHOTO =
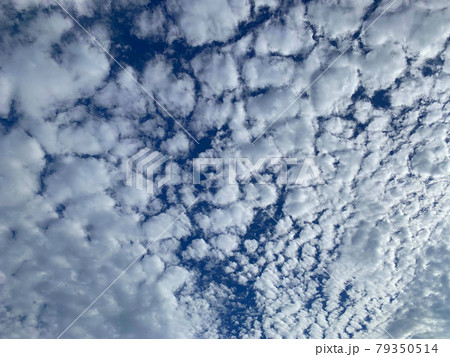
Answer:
(360, 251)
(217, 72)
(268, 72)
(150, 24)
(288, 37)
(21, 166)
(42, 76)
(205, 21)
(176, 92)
(336, 19)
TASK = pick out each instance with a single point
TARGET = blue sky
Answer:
(359, 87)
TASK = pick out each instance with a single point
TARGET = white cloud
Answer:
(336, 19)
(174, 92)
(209, 114)
(198, 249)
(377, 222)
(204, 21)
(41, 81)
(226, 195)
(270, 3)
(226, 243)
(268, 72)
(333, 92)
(420, 28)
(216, 71)
(288, 38)
(81, 7)
(150, 24)
(21, 162)
(124, 97)
(5, 95)
(177, 145)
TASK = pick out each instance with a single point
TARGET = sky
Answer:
(358, 89)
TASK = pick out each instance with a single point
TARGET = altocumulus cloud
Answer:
(247, 260)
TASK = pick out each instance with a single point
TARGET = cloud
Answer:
(337, 19)
(290, 37)
(268, 72)
(175, 92)
(206, 21)
(21, 163)
(42, 80)
(216, 71)
(338, 257)
(150, 24)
